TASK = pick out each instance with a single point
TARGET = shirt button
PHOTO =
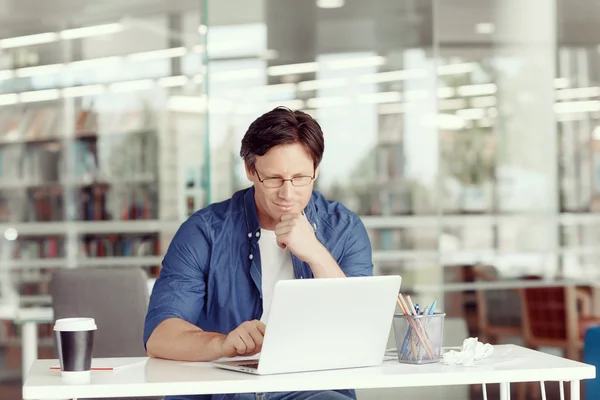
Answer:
(257, 234)
(250, 234)
(251, 256)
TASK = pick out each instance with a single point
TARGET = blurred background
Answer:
(465, 133)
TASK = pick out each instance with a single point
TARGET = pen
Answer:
(431, 310)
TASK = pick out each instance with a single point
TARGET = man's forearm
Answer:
(176, 339)
(325, 266)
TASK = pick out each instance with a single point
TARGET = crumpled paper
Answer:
(472, 350)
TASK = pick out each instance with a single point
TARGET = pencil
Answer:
(414, 324)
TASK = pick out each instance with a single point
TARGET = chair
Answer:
(116, 298)
(591, 355)
(557, 317)
(505, 320)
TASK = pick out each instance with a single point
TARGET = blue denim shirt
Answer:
(211, 275)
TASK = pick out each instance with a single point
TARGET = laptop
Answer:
(322, 324)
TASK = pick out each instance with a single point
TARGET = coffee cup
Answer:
(75, 341)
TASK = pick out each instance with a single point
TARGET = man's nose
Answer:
(285, 191)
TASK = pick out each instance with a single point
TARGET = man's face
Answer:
(283, 161)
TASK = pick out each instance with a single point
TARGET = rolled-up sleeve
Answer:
(357, 259)
(180, 290)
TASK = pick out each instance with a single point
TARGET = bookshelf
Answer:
(78, 188)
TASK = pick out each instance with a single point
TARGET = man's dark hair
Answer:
(282, 126)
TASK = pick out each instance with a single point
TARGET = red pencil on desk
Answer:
(91, 369)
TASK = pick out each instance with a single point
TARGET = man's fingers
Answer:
(248, 341)
(257, 338)
(239, 345)
(282, 240)
(280, 230)
(261, 327)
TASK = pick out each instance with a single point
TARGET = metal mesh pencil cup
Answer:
(419, 337)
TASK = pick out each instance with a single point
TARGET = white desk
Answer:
(29, 318)
(153, 377)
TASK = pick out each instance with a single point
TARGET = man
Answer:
(213, 295)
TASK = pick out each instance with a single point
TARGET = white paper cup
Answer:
(75, 341)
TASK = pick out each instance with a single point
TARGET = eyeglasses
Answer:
(297, 181)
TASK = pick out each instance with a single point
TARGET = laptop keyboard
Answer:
(250, 365)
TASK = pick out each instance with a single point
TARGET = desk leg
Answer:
(505, 391)
(29, 346)
(575, 390)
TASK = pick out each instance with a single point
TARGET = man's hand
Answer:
(245, 340)
(295, 232)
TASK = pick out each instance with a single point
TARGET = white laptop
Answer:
(321, 324)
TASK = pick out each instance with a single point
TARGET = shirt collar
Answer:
(252, 224)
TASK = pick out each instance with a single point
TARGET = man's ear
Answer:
(316, 173)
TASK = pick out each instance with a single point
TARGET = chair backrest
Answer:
(499, 310)
(546, 312)
(116, 298)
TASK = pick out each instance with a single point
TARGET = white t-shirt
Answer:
(276, 264)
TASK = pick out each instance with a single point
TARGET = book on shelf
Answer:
(31, 248)
(119, 245)
(40, 123)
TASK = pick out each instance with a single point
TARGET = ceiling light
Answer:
(290, 69)
(330, 3)
(6, 74)
(10, 98)
(485, 28)
(471, 113)
(173, 81)
(29, 40)
(96, 62)
(577, 106)
(455, 69)
(39, 95)
(483, 101)
(477, 90)
(394, 76)
(445, 92)
(574, 93)
(130, 86)
(239, 74)
(40, 70)
(157, 54)
(82, 91)
(96, 30)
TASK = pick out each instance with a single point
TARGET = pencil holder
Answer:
(419, 337)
